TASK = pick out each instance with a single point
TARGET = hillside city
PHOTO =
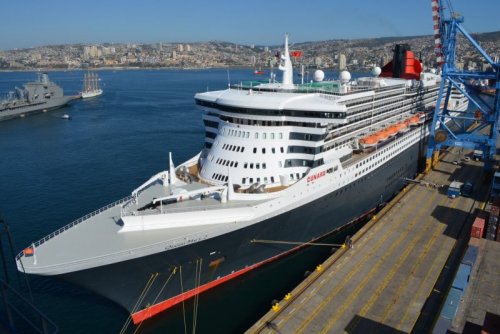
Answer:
(354, 55)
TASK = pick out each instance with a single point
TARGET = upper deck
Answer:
(333, 87)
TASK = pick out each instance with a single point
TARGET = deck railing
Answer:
(76, 222)
(141, 250)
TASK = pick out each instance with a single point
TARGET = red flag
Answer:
(296, 54)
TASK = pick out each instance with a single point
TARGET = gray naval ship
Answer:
(35, 97)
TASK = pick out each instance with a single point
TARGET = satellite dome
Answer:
(319, 75)
(345, 76)
(376, 71)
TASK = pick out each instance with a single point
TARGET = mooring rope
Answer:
(139, 300)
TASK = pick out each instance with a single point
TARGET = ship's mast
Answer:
(286, 66)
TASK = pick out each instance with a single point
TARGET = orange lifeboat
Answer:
(393, 130)
(413, 121)
(370, 140)
(402, 127)
(384, 134)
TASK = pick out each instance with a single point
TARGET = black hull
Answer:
(125, 281)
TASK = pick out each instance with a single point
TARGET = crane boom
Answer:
(477, 127)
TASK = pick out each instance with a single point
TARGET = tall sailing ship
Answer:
(91, 85)
(281, 161)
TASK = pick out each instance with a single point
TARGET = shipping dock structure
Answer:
(395, 276)
(413, 267)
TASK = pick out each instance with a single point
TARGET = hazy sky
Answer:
(27, 23)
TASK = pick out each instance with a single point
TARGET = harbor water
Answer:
(55, 170)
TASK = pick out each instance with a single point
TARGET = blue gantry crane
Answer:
(477, 127)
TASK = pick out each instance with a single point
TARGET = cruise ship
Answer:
(35, 97)
(283, 165)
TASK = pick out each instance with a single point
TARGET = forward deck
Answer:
(96, 239)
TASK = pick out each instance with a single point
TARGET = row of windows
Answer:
(272, 112)
(273, 150)
(378, 115)
(367, 120)
(306, 136)
(228, 163)
(266, 180)
(303, 149)
(233, 148)
(336, 144)
(220, 177)
(368, 111)
(250, 180)
(244, 121)
(257, 165)
(381, 102)
(246, 134)
(298, 163)
(370, 99)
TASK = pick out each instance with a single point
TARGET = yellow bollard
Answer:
(288, 296)
(319, 268)
(276, 307)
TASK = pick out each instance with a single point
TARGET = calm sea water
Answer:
(53, 171)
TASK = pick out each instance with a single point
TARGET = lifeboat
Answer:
(403, 127)
(413, 121)
(393, 130)
(370, 140)
(384, 134)
(421, 118)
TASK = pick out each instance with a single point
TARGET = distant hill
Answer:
(487, 36)
(376, 42)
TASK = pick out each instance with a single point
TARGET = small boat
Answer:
(384, 134)
(413, 121)
(66, 116)
(392, 130)
(403, 127)
(369, 141)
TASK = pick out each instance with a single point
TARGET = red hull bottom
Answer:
(151, 311)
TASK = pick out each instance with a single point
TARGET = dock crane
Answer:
(477, 127)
